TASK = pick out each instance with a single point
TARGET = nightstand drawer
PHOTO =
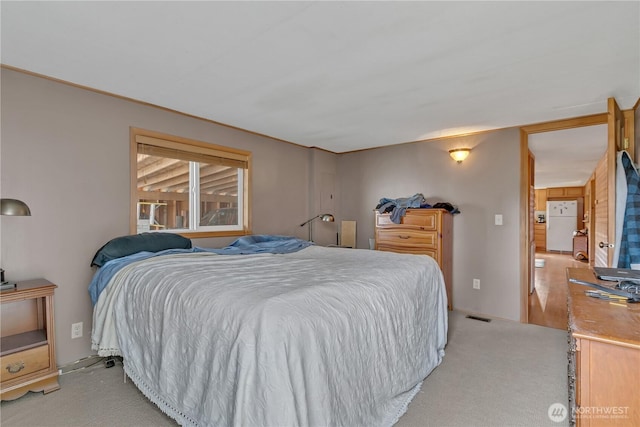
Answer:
(406, 238)
(24, 362)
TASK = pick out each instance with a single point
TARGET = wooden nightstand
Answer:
(27, 340)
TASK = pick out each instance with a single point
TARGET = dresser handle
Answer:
(403, 237)
(15, 367)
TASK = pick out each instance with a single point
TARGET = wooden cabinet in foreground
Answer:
(27, 343)
(604, 358)
(421, 231)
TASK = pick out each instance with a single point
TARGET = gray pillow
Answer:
(147, 242)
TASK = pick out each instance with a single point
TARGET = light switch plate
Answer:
(498, 219)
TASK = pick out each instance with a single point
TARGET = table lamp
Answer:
(11, 207)
(323, 217)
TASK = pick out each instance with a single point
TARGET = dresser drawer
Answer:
(408, 238)
(433, 253)
(24, 362)
(384, 220)
(423, 219)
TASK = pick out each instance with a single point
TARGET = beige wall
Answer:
(65, 151)
(323, 194)
(485, 184)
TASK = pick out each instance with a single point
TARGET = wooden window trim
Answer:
(236, 157)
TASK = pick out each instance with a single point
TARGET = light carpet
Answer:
(493, 374)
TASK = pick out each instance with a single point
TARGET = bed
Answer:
(313, 336)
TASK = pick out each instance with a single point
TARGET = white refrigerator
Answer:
(561, 223)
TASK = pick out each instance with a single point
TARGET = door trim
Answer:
(525, 251)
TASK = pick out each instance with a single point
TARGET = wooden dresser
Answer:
(604, 358)
(421, 231)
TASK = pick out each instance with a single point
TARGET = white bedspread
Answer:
(321, 337)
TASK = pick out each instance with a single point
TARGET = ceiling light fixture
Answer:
(459, 154)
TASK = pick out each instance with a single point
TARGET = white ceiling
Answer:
(567, 158)
(341, 76)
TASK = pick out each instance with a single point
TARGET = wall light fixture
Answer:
(459, 154)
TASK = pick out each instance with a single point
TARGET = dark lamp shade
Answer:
(14, 207)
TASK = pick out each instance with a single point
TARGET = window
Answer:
(188, 187)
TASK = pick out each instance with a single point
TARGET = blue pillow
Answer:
(144, 242)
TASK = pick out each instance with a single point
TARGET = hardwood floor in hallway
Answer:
(548, 302)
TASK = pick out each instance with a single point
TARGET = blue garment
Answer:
(401, 205)
(261, 243)
(630, 240)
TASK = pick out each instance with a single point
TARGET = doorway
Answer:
(527, 186)
(620, 136)
(564, 165)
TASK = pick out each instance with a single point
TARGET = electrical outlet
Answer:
(76, 330)
(476, 283)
